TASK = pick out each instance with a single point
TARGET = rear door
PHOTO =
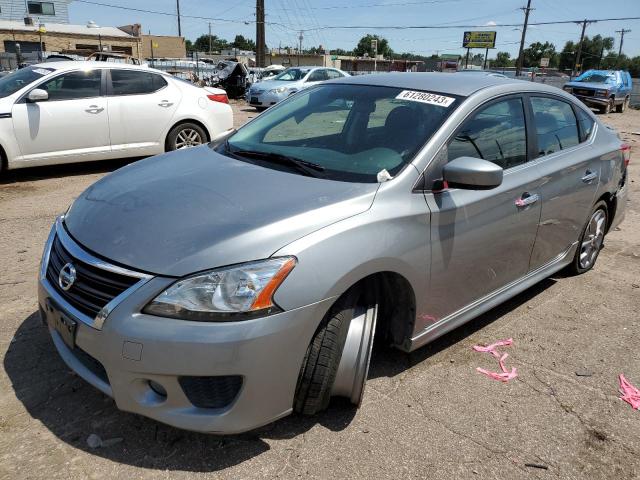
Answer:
(481, 240)
(141, 107)
(72, 125)
(571, 171)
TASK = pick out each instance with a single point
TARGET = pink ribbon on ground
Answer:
(506, 375)
(630, 394)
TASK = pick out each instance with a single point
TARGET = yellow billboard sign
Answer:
(479, 40)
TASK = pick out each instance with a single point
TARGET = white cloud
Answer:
(490, 23)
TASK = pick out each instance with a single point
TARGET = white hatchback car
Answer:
(80, 111)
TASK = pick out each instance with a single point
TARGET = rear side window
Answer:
(334, 74)
(586, 125)
(556, 125)
(496, 133)
(318, 76)
(74, 85)
(132, 82)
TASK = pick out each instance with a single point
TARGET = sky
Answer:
(318, 19)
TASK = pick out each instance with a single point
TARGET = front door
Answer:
(72, 125)
(141, 105)
(481, 240)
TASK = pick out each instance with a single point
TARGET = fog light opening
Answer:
(158, 389)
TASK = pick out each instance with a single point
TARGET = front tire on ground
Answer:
(591, 241)
(327, 364)
(608, 107)
(623, 106)
(186, 135)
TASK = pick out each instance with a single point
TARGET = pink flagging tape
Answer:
(506, 375)
(630, 394)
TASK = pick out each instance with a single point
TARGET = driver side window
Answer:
(496, 133)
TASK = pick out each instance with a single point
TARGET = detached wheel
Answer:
(623, 106)
(337, 360)
(186, 135)
(591, 240)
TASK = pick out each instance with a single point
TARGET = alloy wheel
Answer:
(187, 138)
(592, 240)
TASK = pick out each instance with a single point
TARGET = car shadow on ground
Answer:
(31, 174)
(72, 410)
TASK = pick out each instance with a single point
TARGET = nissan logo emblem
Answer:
(67, 277)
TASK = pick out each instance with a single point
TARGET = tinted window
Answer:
(496, 133)
(556, 125)
(318, 76)
(132, 82)
(291, 74)
(352, 131)
(586, 125)
(74, 85)
(334, 74)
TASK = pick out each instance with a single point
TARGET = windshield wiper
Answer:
(308, 168)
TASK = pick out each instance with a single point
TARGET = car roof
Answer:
(452, 83)
(74, 64)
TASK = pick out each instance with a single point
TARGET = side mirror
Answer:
(38, 95)
(472, 173)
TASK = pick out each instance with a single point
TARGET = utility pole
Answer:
(260, 37)
(179, 26)
(585, 22)
(210, 39)
(300, 38)
(526, 9)
(621, 32)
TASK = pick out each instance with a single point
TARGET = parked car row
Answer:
(265, 94)
(67, 112)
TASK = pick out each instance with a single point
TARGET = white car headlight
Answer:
(226, 294)
(279, 90)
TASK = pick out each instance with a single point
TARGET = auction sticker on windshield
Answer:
(426, 97)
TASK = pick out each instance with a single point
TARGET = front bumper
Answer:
(132, 349)
(265, 98)
(592, 101)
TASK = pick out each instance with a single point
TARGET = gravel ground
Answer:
(427, 414)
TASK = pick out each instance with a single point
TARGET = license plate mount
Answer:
(254, 100)
(61, 323)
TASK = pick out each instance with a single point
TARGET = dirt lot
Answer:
(428, 414)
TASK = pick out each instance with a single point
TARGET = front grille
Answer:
(583, 92)
(211, 392)
(93, 288)
(93, 365)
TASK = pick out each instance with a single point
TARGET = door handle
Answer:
(94, 109)
(165, 103)
(527, 200)
(589, 176)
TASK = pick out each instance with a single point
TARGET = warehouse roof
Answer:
(65, 28)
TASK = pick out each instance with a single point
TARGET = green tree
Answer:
(536, 51)
(364, 46)
(594, 50)
(202, 43)
(477, 59)
(503, 59)
(188, 45)
(242, 43)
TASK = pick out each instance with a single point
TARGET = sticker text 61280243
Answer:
(426, 97)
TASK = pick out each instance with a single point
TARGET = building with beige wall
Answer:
(163, 46)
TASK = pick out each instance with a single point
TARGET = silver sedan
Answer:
(223, 287)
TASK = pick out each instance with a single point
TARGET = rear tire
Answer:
(321, 362)
(186, 135)
(623, 106)
(591, 241)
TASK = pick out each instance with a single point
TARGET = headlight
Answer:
(279, 90)
(602, 93)
(227, 294)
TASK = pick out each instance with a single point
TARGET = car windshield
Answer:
(596, 78)
(345, 132)
(291, 75)
(21, 78)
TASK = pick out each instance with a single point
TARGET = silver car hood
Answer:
(192, 210)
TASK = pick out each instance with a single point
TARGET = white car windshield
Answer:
(21, 78)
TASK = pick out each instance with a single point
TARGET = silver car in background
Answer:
(266, 94)
(223, 287)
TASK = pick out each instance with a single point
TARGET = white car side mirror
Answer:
(38, 95)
